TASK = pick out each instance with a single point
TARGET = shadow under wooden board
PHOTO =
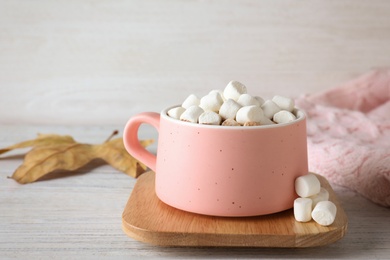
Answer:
(147, 219)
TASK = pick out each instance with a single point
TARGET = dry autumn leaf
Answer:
(115, 154)
(58, 152)
(41, 140)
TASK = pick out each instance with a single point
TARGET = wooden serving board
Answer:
(147, 219)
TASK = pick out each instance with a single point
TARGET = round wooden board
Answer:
(147, 219)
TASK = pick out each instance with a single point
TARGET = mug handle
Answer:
(131, 141)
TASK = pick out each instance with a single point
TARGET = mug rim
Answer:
(301, 116)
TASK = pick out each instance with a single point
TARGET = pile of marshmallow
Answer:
(234, 107)
(313, 202)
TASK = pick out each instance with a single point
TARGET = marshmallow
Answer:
(220, 92)
(284, 103)
(302, 209)
(249, 113)
(284, 116)
(229, 101)
(260, 100)
(191, 100)
(233, 90)
(230, 122)
(210, 118)
(307, 185)
(295, 112)
(191, 114)
(211, 102)
(266, 121)
(270, 108)
(324, 213)
(176, 112)
(229, 109)
(250, 123)
(248, 100)
(323, 195)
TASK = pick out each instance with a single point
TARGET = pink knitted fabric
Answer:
(348, 131)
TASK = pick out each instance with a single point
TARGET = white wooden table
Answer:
(84, 67)
(79, 216)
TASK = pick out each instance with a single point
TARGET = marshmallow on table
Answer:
(191, 100)
(270, 108)
(176, 112)
(211, 102)
(230, 122)
(307, 185)
(284, 116)
(323, 195)
(249, 113)
(248, 100)
(302, 209)
(324, 213)
(284, 103)
(234, 90)
(191, 114)
(209, 118)
(229, 109)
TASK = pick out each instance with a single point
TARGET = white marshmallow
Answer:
(233, 90)
(284, 116)
(191, 100)
(176, 112)
(270, 108)
(260, 99)
(324, 213)
(266, 121)
(191, 114)
(229, 109)
(302, 209)
(248, 100)
(249, 113)
(220, 92)
(211, 102)
(284, 103)
(323, 195)
(210, 118)
(295, 112)
(307, 185)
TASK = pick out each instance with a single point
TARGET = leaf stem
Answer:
(112, 135)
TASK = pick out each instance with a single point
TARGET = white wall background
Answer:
(98, 62)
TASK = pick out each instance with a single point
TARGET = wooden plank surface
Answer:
(149, 220)
(79, 216)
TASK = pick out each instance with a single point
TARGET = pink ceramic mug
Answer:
(223, 170)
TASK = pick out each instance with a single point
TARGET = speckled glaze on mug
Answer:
(223, 170)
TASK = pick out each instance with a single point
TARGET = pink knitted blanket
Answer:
(348, 131)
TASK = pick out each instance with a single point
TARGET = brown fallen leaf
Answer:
(55, 152)
(115, 154)
(41, 140)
